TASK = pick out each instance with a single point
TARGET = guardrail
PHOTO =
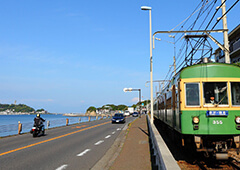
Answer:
(13, 129)
(163, 157)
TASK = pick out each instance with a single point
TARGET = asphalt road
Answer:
(73, 147)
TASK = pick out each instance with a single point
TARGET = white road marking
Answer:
(108, 136)
(99, 142)
(84, 152)
(118, 128)
(113, 133)
(62, 167)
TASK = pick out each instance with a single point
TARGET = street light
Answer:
(130, 90)
(151, 69)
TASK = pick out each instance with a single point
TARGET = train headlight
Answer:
(196, 120)
(237, 120)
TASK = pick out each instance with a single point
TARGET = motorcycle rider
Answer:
(38, 121)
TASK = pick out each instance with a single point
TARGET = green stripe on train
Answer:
(212, 70)
(209, 125)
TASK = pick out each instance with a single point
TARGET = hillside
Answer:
(16, 108)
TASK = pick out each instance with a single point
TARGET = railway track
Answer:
(189, 160)
(231, 164)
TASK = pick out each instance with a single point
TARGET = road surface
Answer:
(71, 147)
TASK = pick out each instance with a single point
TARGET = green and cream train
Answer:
(201, 105)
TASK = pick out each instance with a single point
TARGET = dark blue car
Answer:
(118, 118)
(135, 114)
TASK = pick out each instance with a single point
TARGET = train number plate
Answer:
(217, 122)
(217, 113)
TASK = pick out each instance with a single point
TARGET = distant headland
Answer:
(19, 109)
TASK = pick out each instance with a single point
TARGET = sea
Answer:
(9, 123)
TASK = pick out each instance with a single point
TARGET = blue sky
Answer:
(65, 56)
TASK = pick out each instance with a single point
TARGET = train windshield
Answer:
(192, 94)
(215, 93)
(235, 88)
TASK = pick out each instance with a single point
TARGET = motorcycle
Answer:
(38, 130)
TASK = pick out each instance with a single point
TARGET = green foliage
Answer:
(238, 64)
(113, 107)
(40, 110)
(16, 108)
(145, 102)
(134, 106)
(122, 107)
(118, 107)
(109, 106)
(91, 108)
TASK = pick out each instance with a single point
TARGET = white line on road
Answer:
(62, 167)
(113, 132)
(108, 136)
(84, 152)
(99, 142)
(118, 128)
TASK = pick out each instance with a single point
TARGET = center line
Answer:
(113, 133)
(62, 167)
(99, 142)
(84, 152)
(108, 136)
(52, 139)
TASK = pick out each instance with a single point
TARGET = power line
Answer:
(225, 13)
(206, 7)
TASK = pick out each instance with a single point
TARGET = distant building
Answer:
(42, 112)
(234, 47)
(234, 43)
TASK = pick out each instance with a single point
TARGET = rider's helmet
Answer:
(38, 115)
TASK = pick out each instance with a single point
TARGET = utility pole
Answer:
(225, 33)
(174, 59)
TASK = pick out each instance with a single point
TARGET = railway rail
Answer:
(189, 160)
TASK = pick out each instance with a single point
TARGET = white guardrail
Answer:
(164, 159)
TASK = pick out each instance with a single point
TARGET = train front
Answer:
(210, 108)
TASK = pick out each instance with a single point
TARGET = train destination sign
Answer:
(216, 113)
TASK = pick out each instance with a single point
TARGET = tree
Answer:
(122, 107)
(238, 64)
(91, 109)
(40, 110)
(16, 108)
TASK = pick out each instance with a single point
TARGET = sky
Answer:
(65, 56)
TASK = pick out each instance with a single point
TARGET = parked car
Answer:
(118, 118)
(135, 114)
(126, 113)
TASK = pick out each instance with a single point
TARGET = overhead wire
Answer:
(214, 14)
(204, 8)
(201, 10)
(225, 13)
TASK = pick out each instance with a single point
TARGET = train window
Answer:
(235, 88)
(192, 94)
(215, 93)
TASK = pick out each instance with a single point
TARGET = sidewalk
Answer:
(135, 153)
